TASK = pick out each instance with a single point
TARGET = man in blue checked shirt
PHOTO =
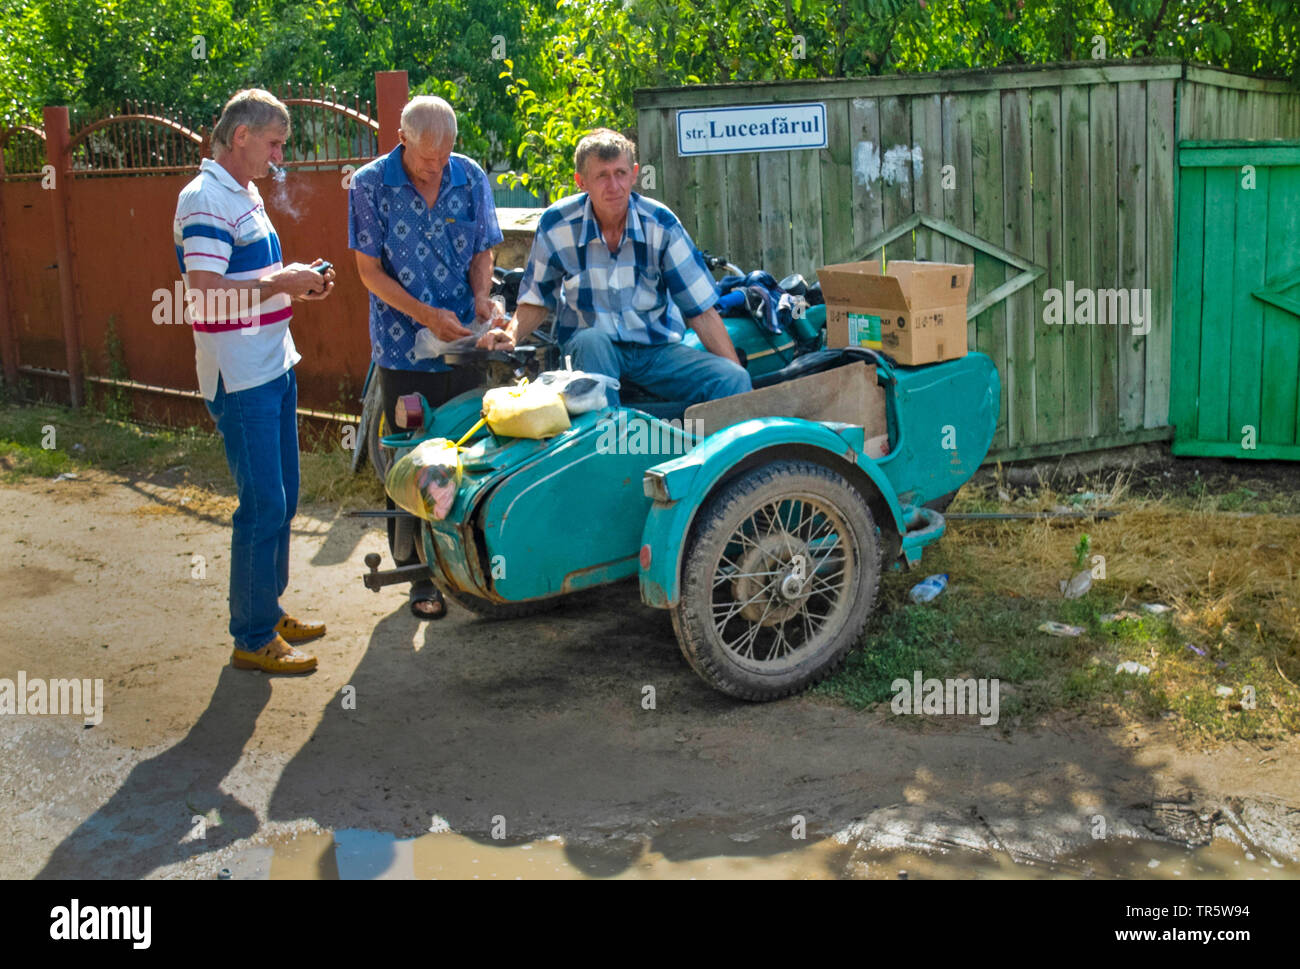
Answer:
(422, 223)
(624, 280)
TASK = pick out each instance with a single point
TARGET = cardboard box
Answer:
(916, 313)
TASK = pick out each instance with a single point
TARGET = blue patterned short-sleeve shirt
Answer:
(427, 250)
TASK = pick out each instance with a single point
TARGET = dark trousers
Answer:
(437, 388)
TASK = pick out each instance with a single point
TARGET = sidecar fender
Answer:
(680, 487)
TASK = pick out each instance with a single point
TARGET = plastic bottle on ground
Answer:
(929, 589)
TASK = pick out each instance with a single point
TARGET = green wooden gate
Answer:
(1236, 341)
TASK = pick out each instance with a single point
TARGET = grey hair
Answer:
(606, 144)
(429, 118)
(253, 107)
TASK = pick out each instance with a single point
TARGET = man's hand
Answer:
(486, 308)
(327, 277)
(495, 339)
(300, 281)
(444, 323)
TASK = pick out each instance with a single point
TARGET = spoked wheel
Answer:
(781, 573)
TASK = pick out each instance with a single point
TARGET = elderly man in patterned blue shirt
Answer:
(624, 280)
(422, 223)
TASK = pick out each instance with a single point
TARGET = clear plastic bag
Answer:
(581, 392)
(428, 345)
(424, 482)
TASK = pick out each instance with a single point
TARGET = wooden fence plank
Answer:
(1281, 418)
(1185, 360)
(711, 205)
(896, 170)
(743, 236)
(1018, 237)
(1049, 234)
(806, 212)
(837, 185)
(650, 150)
(774, 212)
(868, 215)
(1077, 217)
(1103, 162)
(927, 133)
(1131, 256)
(1162, 235)
(679, 177)
(958, 208)
(1247, 333)
(986, 189)
(1216, 313)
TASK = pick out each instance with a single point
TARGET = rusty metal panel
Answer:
(32, 274)
(126, 259)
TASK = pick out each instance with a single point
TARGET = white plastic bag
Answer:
(581, 391)
(428, 345)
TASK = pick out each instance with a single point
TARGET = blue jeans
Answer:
(668, 370)
(259, 427)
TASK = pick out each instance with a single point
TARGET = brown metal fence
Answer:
(87, 258)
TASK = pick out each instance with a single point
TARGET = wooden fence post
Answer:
(8, 329)
(391, 94)
(57, 136)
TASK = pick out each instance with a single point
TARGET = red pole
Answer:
(8, 333)
(57, 136)
(391, 94)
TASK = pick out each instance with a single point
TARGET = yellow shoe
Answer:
(277, 656)
(293, 631)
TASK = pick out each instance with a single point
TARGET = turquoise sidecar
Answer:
(765, 539)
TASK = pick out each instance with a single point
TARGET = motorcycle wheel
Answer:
(781, 573)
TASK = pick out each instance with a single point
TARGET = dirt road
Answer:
(535, 727)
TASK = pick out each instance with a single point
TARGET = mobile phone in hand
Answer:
(324, 267)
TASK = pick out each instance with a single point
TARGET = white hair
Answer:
(429, 118)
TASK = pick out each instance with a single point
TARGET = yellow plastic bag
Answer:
(533, 411)
(424, 482)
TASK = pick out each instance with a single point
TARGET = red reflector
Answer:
(645, 556)
(409, 413)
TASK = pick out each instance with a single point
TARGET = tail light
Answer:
(409, 413)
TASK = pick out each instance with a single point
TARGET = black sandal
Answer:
(430, 594)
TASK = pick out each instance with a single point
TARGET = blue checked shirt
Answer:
(644, 293)
(427, 250)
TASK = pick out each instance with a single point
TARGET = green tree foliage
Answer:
(528, 79)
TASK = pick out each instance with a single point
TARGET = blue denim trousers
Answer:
(670, 370)
(259, 427)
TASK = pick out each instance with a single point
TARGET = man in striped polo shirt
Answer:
(238, 302)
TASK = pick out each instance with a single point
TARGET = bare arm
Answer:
(296, 280)
(443, 323)
(480, 281)
(713, 334)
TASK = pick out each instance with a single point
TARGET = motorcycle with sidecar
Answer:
(764, 538)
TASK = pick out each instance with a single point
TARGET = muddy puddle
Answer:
(691, 854)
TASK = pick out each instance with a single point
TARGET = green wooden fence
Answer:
(1045, 178)
(1237, 317)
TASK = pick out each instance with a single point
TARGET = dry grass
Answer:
(1233, 582)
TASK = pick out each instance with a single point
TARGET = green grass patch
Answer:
(44, 440)
(969, 632)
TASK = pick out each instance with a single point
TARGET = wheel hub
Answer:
(773, 572)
